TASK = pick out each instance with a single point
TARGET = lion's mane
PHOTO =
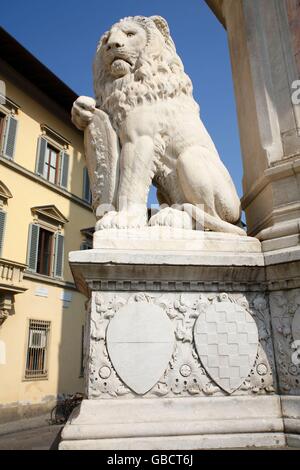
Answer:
(158, 75)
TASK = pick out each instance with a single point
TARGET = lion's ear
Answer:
(162, 26)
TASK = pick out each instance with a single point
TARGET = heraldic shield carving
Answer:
(226, 339)
(140, 342)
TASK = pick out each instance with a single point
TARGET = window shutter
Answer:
(2, 228)
(33, 246)
(41, 155)
(10, 137)
(59, 255)
(85, 246)
(64, 169)
(87, 196)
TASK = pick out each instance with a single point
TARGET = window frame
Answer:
(86, 245)
(87, 238)
(52, 250)
(49, 150)
(61, 146)
(50, 219)
(5, 195)
(9, 109)
(2, 234)
(56, 232)
(45, 374)
(86, 186)
(2, 127)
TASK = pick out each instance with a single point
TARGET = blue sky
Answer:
(63, 35)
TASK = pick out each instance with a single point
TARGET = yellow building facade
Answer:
(45, 213)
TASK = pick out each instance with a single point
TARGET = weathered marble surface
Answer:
(175, 239)
(185, 374)
(185, 423)
(285, 311)
(185, 285)
(144, 126)
(140, 341)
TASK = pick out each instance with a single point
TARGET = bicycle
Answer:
(62, 410)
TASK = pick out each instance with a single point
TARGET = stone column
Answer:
(293, 12)
(264, 47)
(264, 42)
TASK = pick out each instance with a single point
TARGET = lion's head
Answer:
(136, 63)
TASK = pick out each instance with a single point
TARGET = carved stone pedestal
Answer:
(178, 347)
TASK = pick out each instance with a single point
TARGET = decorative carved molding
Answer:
(11, 283)
(226, 339)
(55, 136)
(11, 276)
(174, 286)
(50, 212)
(185, 375)
(6, 306)
(9, 105)
(4, 193)
(285, 305)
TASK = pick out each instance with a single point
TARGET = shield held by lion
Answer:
(144, 127)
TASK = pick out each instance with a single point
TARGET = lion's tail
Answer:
(207, 221)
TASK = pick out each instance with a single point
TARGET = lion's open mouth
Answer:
(122, 58)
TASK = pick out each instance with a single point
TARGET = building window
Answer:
(5, 194)
(2, 124)
(45, 250)
(37, 349)
(8, 134)
(87, 243)
(86, 193)
(52, 163)
(2, 229)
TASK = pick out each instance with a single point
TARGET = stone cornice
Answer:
(94, 270)
(282, 170)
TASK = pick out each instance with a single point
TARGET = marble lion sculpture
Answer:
(145, 126)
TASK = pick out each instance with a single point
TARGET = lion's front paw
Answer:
(122, 219)
(83, 111)
(106, 221)
(174, 218)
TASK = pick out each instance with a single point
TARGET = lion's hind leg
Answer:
(206, 190)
